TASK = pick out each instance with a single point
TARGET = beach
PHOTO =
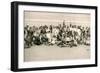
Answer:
(45, 53)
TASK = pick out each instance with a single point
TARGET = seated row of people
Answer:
(56, 35)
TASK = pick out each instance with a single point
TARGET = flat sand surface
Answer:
(44, 53)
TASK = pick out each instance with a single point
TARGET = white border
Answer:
(22, 64)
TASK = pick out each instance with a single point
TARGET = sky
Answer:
(38, 18)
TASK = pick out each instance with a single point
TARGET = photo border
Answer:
(14, 35)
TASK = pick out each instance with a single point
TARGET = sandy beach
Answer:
(44, 53)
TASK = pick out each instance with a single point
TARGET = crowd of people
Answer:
(62, 35)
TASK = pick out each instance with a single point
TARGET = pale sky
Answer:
(46, 18)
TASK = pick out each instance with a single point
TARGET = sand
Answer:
(44, 53)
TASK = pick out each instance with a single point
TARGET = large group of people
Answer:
(62, 35)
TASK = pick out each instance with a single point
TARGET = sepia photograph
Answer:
(52, 36)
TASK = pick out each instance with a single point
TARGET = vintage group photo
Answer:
(56, 36)
(47, 36)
